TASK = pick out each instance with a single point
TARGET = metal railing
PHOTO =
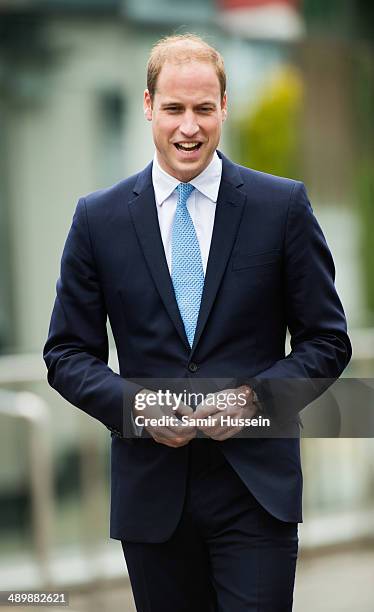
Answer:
(33, 410)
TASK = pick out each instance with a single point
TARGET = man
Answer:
(200, 266)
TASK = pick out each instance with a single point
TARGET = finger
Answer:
(210, 431)
(203, 411)
(182, 427)
(172, 433)
(229, 433)
(182, 431)
(174, 442)
(184, 410)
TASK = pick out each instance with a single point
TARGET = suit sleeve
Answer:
(320, 347)
(76, 352)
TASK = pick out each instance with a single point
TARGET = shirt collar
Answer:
(207, 182)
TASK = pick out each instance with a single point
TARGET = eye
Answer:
(172, 109)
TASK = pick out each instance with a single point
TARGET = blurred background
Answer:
(301, 102)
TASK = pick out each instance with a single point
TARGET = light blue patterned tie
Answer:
(187, 271)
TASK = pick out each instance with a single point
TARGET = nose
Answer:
(189, 126)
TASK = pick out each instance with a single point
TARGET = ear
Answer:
(224, 107)
(147, 105)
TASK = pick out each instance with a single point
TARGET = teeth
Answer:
(188, 145)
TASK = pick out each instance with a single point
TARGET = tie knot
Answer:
(184, 191)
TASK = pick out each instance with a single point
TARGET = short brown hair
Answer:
(181, 48)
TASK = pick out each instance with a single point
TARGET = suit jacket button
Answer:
(192, 366)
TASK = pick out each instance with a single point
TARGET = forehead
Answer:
(190, 78)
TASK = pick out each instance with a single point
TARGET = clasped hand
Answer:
(233, 403)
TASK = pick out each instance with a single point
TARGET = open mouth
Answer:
(187, 146)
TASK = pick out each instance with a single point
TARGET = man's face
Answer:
(187, 115)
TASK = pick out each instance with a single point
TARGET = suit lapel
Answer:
(144, 216)
(229, 210)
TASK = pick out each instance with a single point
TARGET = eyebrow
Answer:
(179, 105)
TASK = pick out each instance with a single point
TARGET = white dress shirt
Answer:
(201, 205)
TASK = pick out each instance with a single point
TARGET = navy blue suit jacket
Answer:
(269, 268)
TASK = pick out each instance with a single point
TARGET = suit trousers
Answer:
(227, 554)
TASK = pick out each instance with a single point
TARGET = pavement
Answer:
(337, 581)
(342, 581)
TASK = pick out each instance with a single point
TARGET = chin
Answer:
(192, 166)
(187, 174)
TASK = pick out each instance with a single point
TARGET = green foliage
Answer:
(365, 190)
(267, 136)
(363, 98)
